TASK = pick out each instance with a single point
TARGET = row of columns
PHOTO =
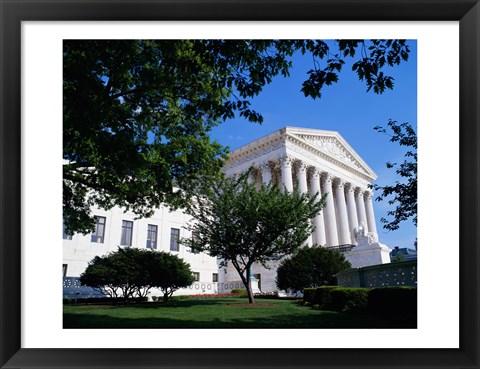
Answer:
(347, 206)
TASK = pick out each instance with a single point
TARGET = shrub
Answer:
(132, 272)
(323, 296)
(337, 298)
(393, 300)
(384, 301)
(154, 298)
(239, 291)
(348, 299)
(311, 267)
(319, 296)
(309, 294)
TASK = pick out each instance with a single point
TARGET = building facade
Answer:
(116, 228)
(293, 158)
(312, 161)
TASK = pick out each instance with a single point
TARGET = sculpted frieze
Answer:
(309, 146)
(332, 147)
(315, 155)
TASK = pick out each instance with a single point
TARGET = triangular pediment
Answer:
(331, 144)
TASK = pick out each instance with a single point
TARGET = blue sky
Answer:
(345, 107)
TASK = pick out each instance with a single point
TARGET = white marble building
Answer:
(116, 228)
(310, 160)
(317, 161)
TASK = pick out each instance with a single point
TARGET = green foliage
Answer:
(309, 295)
(323, 295)
(318, 295)
(239, 291)
(242, 224)
(169, 273)
(348, 299)
(393, 301)
(310, 267)
(403, 193)
(137, 113)
(132, 272)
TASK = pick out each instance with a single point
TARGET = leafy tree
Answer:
(242, 225)
(137, 113)
(116, 274)
(311, 267)
(132, 272)
(403, 193)
(169, 273)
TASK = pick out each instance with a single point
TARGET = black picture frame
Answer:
(467, 12)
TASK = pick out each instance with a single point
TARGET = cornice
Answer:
(331, 147)
(342, 149)
(302, 147)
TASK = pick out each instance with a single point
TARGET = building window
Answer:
(174, 239)
(194, 239)
(65, 270)
(127, 231)
(99, 234)
(66, 236)
(152, 237)
(214, 277)
(196, 276)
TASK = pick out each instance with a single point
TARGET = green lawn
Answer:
(221, 313)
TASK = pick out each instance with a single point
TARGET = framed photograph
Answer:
(446, 37)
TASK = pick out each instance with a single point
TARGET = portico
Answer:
(342, 214)
(316, 161)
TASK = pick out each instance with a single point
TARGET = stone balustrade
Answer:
(397, 274)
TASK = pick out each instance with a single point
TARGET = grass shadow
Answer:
(222, 313)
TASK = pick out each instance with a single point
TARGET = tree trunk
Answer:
(251, 299)
(246, 281)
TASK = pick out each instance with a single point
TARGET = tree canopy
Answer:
(242, 224)
(403, 193)
(137, 113)
(132, 272)
(311, 267)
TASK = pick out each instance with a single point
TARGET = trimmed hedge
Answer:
(309, 295)
(318, 296)
(383, 301)
(349, 299)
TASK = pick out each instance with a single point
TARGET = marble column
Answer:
(342, 221)
(362, 215)
(303, 188)
(351, 210)
(369, 210)
(286, 168)
(329, 213)
(266, 173)
(319, 233)
(302, 177)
